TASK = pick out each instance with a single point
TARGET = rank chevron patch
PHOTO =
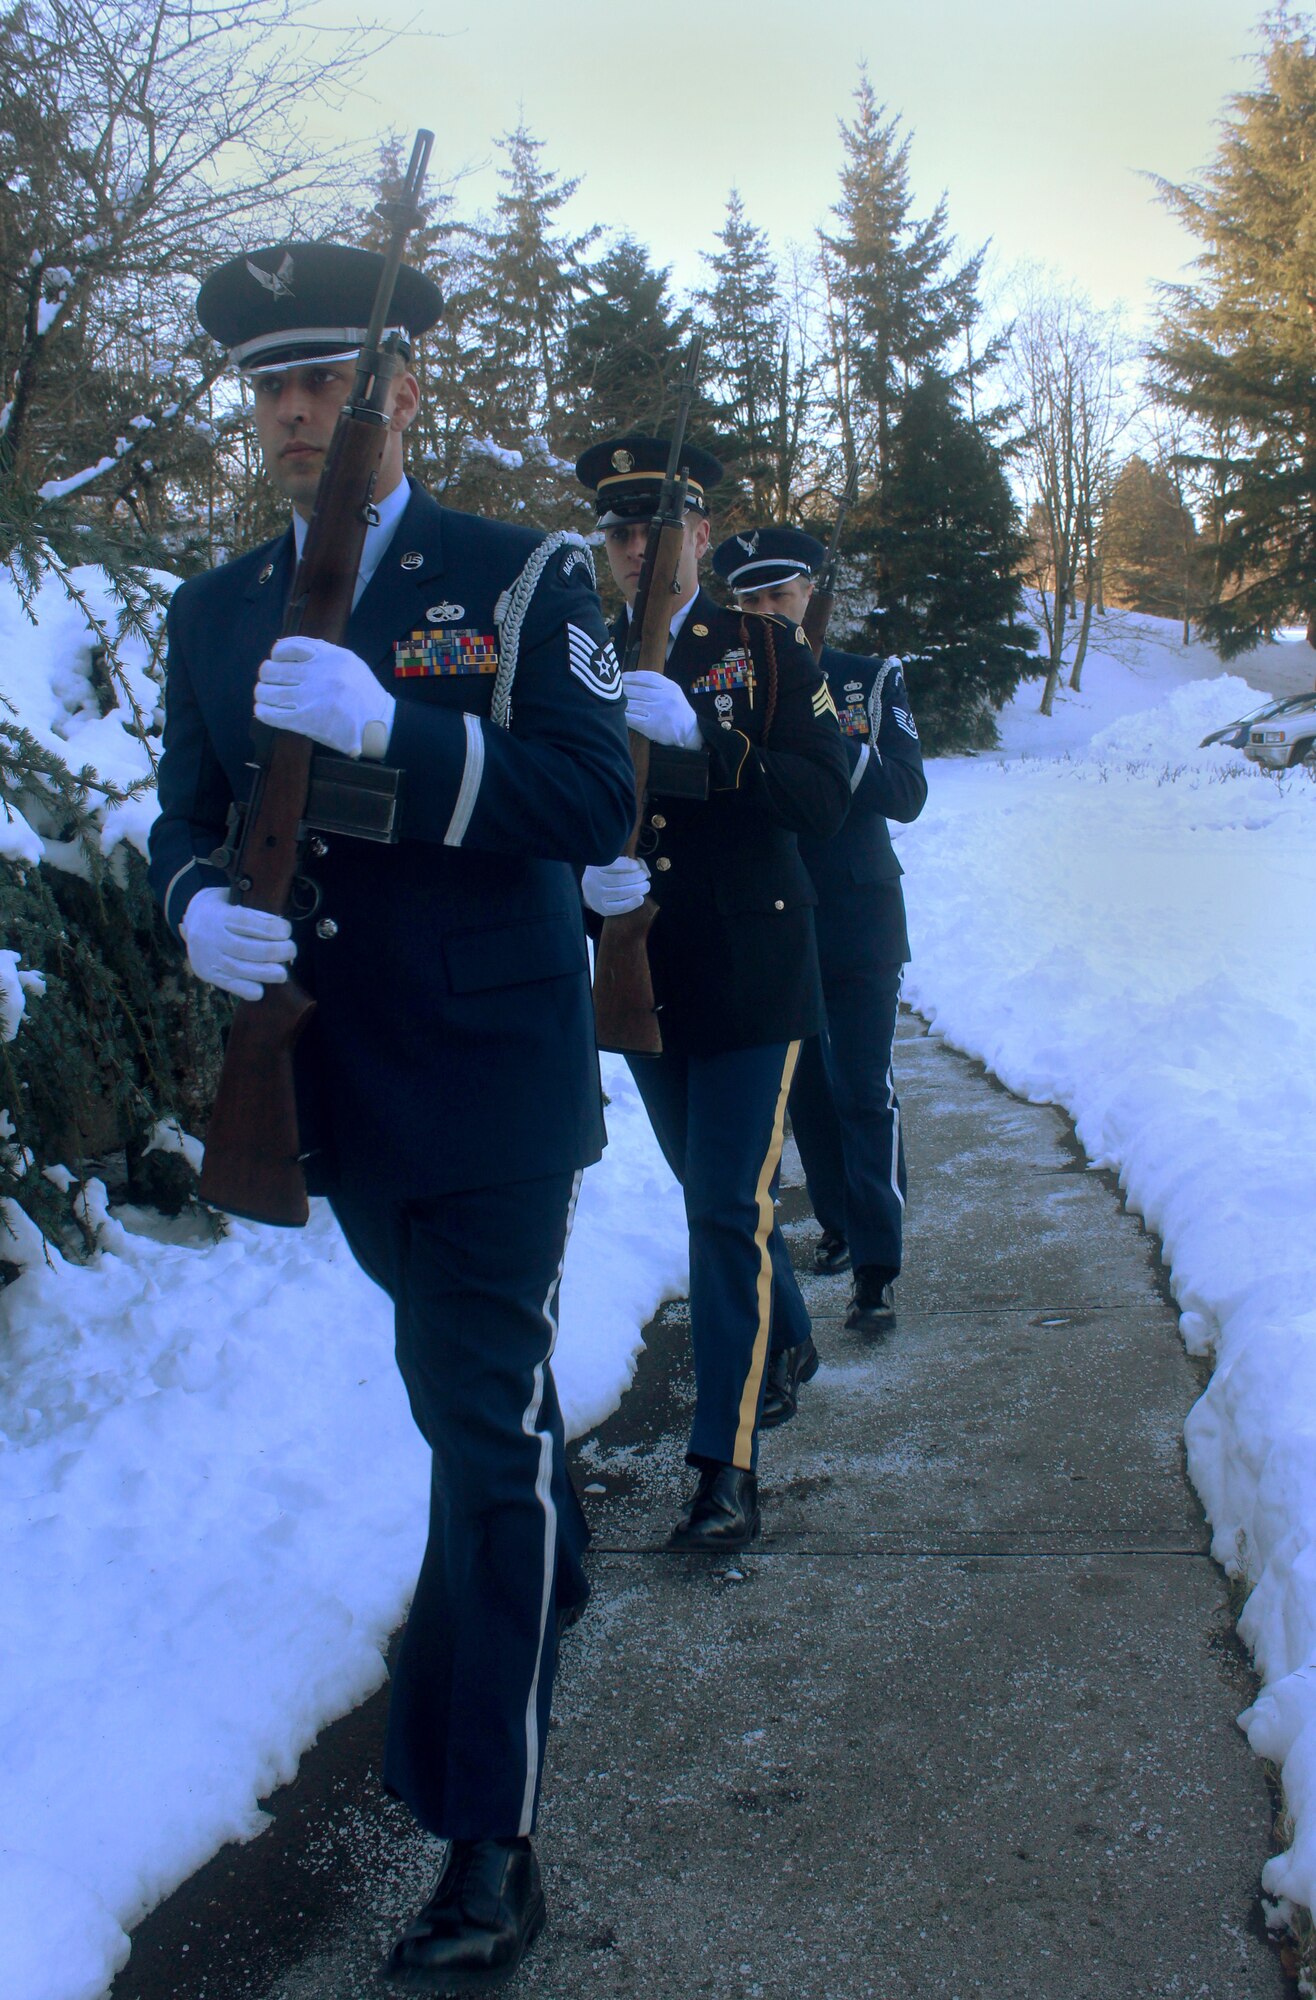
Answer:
(822, 701)
(597, 666)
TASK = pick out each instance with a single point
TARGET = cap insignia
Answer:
(622, 461)
(277, 283)
(749, 543)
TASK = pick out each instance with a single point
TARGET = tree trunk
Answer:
(1311, 629)
(1080, 651)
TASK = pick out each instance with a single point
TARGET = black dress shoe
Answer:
(873, 1307)
(724, 1513)
(486, 1911)
(831, 1254)
(786, 1371)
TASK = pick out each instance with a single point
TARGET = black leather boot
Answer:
(831, 1254)
(724, 1513)
(781, 1394)
(873, 1307)
(486, 1911)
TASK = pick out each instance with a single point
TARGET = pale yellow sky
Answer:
(1037, 118)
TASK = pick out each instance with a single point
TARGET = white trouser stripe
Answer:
(894, 1107)
(544, 1495)
(469, 790)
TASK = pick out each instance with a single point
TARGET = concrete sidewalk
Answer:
(962, 1725)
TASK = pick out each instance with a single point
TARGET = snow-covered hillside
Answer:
(211, 1496)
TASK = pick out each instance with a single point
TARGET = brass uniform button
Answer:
(779, 905)
(658, 820)
(326, 928)
(700, 631)
(662, 863)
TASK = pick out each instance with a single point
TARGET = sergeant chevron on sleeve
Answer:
(747, 759)
(448, 1081)
(844, 1110)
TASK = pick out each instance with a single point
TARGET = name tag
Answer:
(426, 653)
(733, 670)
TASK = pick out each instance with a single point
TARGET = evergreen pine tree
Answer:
(1148, 542)
(949, 548)
(624, 350)
(1236, 348)
(897, 304)
(742, 313)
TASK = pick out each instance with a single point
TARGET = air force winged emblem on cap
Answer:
(277, 283)
(749, 543)
(597, 666)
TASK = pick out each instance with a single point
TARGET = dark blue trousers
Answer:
(720, 1121)
(846, 1116)
(474, 1282)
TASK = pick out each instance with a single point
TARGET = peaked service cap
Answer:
(294, 302)
(760, 557)
(625, 473)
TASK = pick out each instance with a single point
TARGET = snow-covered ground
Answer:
(1127, 928)
(211, 1496)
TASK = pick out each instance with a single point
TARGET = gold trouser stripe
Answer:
(749, 1399)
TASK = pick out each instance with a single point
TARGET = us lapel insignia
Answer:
(700, 631)
(266, 573)
(445, 614)
(412, 559)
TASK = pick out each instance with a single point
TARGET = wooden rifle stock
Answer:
(625, 1016)
(253, 1155)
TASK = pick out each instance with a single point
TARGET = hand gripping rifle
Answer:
(625, 1017)
(253, 1150)
(818, 611)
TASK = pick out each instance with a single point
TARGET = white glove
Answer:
(657, 708)
(242, 951)
(326, 693)
(621, 886)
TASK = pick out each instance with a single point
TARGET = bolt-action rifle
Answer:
(625, 1017)
(253, 1148)
(818, 611)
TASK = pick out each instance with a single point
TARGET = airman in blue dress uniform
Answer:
(844, 1110)
(448, 1080)
(746, 758)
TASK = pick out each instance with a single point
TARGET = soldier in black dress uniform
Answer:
(844, 1110)
(448, 1080)
(746, 756)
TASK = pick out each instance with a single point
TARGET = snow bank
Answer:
(212, 1507)
(1126, 930)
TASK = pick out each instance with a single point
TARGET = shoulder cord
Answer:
(875, 698)
(770, 701)
(510, 611)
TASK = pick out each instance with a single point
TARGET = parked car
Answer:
(1284, 736)
(1235, 734)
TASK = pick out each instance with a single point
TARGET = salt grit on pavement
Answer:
(211, 1495)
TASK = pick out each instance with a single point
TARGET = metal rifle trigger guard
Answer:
(304, 900)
